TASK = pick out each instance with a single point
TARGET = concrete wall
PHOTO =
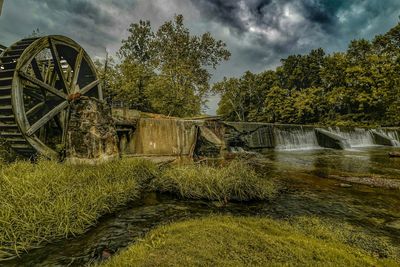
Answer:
(153, 134)
(163, 137)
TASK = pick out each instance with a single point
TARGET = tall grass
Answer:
(254, 241)
(236, 181)
(48, 200)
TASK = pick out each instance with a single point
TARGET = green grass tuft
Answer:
(48, 200)
(236, 181)
(253, 241)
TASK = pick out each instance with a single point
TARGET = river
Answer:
(306, 191)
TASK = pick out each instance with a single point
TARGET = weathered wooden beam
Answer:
(43, 85)
(35, 109)
(89, 87)
(77, 68)
(57, 65)
(36, 69)
(46, 118)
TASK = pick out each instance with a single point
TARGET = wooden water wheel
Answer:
(39, 77)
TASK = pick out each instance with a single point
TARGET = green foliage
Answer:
(48, 200)
(166, 71)
(254, 241)
(359, 87)
(236, 181)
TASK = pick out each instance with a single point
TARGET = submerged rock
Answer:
(372, 181)
(394, 154)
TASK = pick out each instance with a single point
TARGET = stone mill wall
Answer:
(91, 135)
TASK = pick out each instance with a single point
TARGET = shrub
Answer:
(236, 181)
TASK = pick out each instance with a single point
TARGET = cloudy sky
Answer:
(258, 32)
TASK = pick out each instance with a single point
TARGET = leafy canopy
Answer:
(166, 71)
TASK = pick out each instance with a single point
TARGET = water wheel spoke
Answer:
(30, 91)
(89, 87)
(36, 69)
(38, 74)
(48, 74)
(77, 68)
(35, 109)
(46, 118)
(53, 77)
(43, 85)
(57, 65)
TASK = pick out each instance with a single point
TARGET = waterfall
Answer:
(295, 138)
(392, 134)
(356, 137)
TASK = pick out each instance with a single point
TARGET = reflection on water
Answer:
(367, 161)
(306, 191)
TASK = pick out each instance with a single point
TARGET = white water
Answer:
(392, 135)
(356, 138)
(304, 138)
(296, 138)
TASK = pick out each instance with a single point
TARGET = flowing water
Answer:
(306, 191)
(295, 138)
(357, 137)
(394, 135)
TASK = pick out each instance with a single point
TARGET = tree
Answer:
(168, 71)
(231, 106)
(278, 106)
(137, 68)
(109, 75)
(243, 99)
(262, 84)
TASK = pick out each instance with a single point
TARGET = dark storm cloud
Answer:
(89, 22)
(81, 8)
(270, 18)
(258, 32)
(282, 27)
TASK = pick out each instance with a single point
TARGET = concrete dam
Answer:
(143, 135)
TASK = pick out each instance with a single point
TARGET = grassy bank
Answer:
(48, 200)
(251, 241)
(235, 181)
